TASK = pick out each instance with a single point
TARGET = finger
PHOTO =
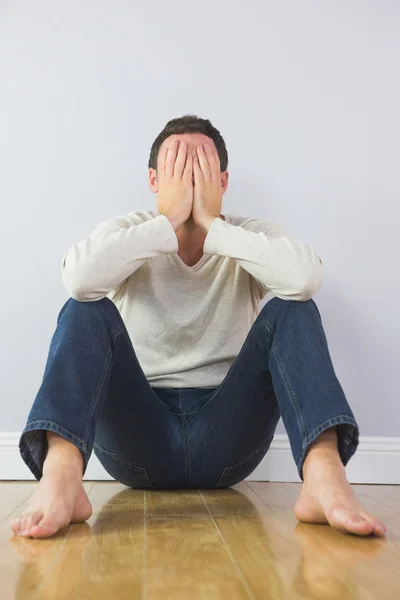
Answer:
(188, 171)
(198, 175)
(205, 167)
(171, 157)
(213, 161)
(180, 160)
(217, 164)
(162, 162)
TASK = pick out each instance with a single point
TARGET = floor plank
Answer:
(239, 499)
(101, 559)
(239, 543)
(276, 493)
(175, 503)
(13, 493)
(186, 558)
(110, 497)
(385, 494)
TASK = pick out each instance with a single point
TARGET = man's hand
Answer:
(175, 187)
(207, 198)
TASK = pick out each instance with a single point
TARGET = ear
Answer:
(224, 181)
(153, 182)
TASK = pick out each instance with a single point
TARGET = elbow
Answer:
(77, 290)
(78, 283)
(79, 295)
(71, 281)
(307, 292)
(310, 284)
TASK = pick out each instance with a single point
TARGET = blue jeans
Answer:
(95, 394)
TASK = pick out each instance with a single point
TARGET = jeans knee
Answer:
(77, 307)
(278, 306)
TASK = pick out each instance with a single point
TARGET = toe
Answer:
(30, 521)
(341, 518)
(45, 528)
(20, 526)
(379, 528)
(16, 525)
(24, 524)
(358, 525)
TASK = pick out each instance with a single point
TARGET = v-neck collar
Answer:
(202, 260)
(199, 263)
(193, 267)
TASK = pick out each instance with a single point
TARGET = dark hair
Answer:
(190, 124)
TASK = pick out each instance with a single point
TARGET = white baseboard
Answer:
(377, 460)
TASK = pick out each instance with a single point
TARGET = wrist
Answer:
(206, 223)
(176, 223)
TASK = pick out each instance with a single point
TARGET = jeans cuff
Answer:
(348, 439)
(33, 445)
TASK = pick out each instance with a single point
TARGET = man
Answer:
(163, 363)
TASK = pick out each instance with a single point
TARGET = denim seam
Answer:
(183, 419)
(269, 327)
(121, 332)
(45, 425)
(231, 468)
(296, 408)
(166, 405)
(26, 454)
(248, 458)
(119, 459)
(120, 322)
(341, 419)
(96, 395)
(45, 422)
(177, 414)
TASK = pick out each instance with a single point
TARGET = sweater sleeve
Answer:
(112, 252)
(288, 268)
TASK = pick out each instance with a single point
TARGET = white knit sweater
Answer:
(188, 324)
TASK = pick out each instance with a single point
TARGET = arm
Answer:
(288, 268)
(114, 250)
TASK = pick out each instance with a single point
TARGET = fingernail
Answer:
(25, 532)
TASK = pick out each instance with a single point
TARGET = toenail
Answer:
(382, 528)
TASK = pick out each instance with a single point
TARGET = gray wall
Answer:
(307, 95)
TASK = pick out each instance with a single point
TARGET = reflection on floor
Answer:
(240, 543)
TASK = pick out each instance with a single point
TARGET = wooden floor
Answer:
(240, 543)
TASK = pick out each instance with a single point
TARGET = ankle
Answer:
(323, 454)
(323, 465)
(62, 454)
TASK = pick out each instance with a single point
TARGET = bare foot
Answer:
(58, 500)
(327, 497)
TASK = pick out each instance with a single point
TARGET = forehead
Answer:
(192, 140)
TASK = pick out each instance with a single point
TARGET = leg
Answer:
(320, 424)
(284, 368)
(327, 496)
(93, 389)
(60, 497)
